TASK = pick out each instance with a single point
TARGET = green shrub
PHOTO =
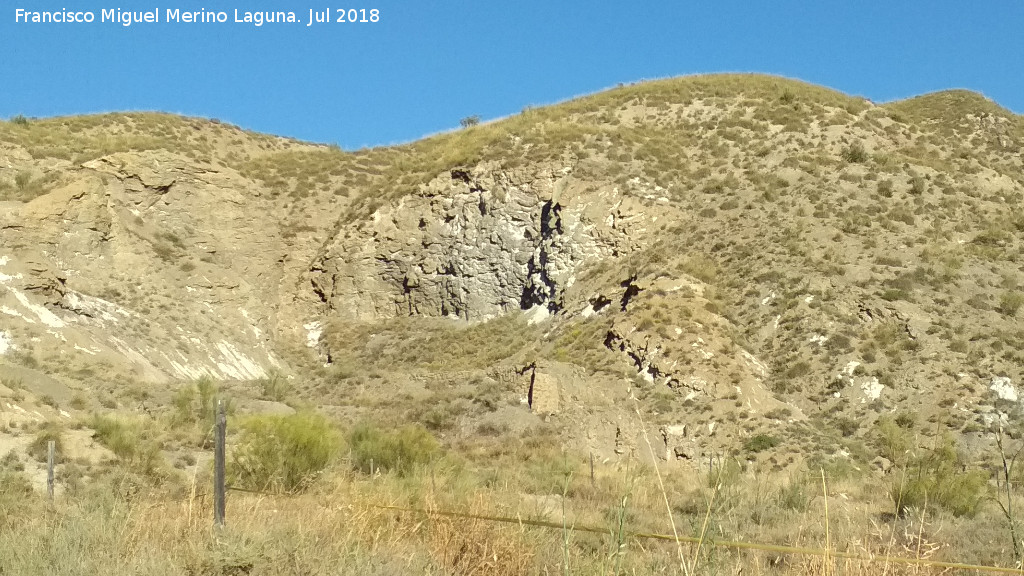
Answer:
(855, 153)
(275, 386)
(760, 443)
(38, 448)
(846, 426)
(283, 453)
(79, 402)
(19, 120)
(130, 440)
(183, 400)
(797, 370)
(917, 185)
(23, 179)
(839, 343)
(1010, 302)
(196, 402)
(937, 478)
(906, 420)
(701, 268)
(441, 418)
(798, 492)
(15, 499)
(933, 477)
(892, 441)
(399, 451)
(12, 462)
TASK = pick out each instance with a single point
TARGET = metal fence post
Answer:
(220, 433)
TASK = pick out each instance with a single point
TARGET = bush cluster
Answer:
(38, 448)
(283, 453)
(399, 451)
(129, 440)
(196, 402)
(933, 476)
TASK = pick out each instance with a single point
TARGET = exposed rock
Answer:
(882, 464)
(544, 394)
(732, 277)
(1004, 389)
(472, 244)
(678, 446)
(115, 266)
(646, 358)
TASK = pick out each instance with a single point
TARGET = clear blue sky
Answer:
(426, 64)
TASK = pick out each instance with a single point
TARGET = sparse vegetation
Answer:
(130, 439)
(399, 451)
(823, 319)
(855, 153)
(283, 453)
(760, 443)
(1010, 302)
(39, 450)
(275, 386)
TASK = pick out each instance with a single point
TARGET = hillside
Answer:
(764, 270)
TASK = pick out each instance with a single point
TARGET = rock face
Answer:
(152, 262)
(472, 244)
(146, 261)
(678, 446)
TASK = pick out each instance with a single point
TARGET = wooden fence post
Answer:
(50, 448)
(220, 433)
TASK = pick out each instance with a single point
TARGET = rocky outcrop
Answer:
(148, 262)
(646, 356)
(471, 244)
(678, 446)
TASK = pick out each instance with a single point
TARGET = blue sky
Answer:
(426, 64)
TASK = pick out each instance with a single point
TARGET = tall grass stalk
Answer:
(565, 527)
(1007, 509)
(827, 564)
(920, 529)
(661, 486)
(707, 519)
(620, 528)
(620, 535)
(892, 532)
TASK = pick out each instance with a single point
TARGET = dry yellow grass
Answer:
(122, 525)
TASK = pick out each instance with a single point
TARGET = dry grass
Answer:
(341, 528)
(348, 522)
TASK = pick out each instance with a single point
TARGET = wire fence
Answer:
(734, 544)
(221, 487)
(707, 542)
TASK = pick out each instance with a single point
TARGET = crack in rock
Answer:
(472, 244)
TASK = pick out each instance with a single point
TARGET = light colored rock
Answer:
(470, 244)
(872, 389)
(544, 394)
(1004, 388)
